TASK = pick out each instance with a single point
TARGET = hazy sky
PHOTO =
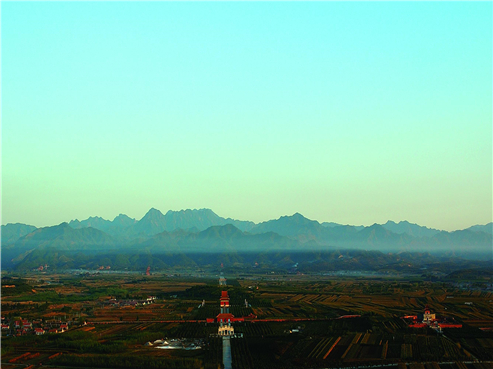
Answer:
(353, 112)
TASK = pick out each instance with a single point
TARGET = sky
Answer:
(356, 112)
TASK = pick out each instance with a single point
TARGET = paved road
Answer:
(227, 362)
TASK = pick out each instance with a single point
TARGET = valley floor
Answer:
(112, 321)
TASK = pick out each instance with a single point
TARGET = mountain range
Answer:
(202, 231)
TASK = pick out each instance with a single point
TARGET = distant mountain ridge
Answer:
(410, 228)
(296, 226)
(202, 230)
(201, 219)
(114, 228)
(57, 238)
(13, 231)
(487, 228)
(155, 222)
(62, 247)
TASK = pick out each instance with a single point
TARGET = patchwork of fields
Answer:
(298, 323)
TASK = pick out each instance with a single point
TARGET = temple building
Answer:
(430, 320)
(225, 317)
(428, 317)
(224, 302)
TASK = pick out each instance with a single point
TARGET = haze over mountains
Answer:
(202, 231)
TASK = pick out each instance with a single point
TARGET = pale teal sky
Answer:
(354, 112)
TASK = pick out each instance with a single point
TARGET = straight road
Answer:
(227, 362)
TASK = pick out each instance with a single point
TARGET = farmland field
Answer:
(294, 321)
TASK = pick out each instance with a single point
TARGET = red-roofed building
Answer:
(224, 302)
(39, 331)
(430, 320)
(225, 318)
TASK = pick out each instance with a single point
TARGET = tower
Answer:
(225, 318)
(428, 317)
(224, 302)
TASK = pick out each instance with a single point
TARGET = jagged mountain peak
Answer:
(201, 210)
(192, 212)
(389, 222)
(153, 213)
(297, 217)
(411, 229)
(122, 216)
(375, 227)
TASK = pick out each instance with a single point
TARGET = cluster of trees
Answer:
(14, 287)
(85, 342)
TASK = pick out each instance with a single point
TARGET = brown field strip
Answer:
(332, 347)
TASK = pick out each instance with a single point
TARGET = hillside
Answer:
(13, 231)
(197, 232)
